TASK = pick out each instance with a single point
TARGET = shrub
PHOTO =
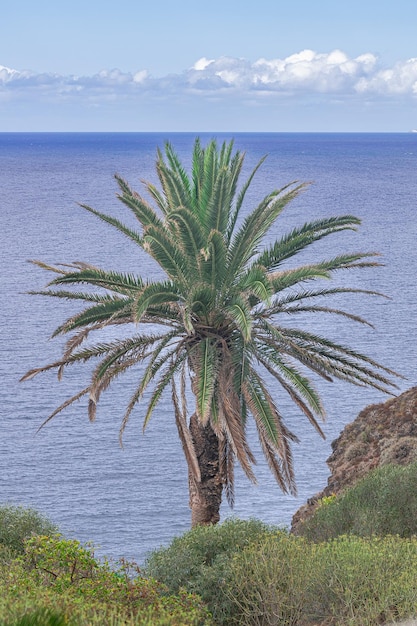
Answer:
(200, 561)
(269, 583)
(18, 523)
(382, 503)
(64, 574)
(350, 581)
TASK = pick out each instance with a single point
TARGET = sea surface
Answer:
(132, 500)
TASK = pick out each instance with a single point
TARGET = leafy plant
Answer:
(383, 503)
(64, 575)
(200, 560)
(350, 581)
(17, 523)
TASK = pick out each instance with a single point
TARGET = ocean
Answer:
(132, 500)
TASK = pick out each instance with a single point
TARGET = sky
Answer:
(219, 65)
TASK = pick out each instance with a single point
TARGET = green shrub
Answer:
(350, 581)
(382, 503)
(18, 523)
(200, 560)
(64, 575)
(269, 583)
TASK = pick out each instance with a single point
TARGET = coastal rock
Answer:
(381, 434)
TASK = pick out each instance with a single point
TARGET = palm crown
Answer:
(213, 323)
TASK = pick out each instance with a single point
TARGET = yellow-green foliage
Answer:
(382, 503)
(267, 577)
(64, 575)
(349, 581)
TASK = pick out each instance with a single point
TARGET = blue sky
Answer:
(269, 65)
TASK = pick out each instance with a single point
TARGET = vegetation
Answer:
(383, 503)
(350, 581)
(201, 559)
(218, 320)
(239, 572)
(59, 582)
(18, 523)
(271, 578)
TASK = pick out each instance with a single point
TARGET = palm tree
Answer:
(211, 329)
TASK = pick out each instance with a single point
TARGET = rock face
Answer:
(381, 434)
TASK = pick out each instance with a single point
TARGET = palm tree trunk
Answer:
(206, 495)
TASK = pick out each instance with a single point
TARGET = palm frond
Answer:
(244, 244)
(300, 238)
(218, 208)
(162, 247)
(64, 405)
(241, 197)
(125, 230)
(165, 379)
(239, 311)
(112, 281)
(185, 436)
(154, 295)
(205, 366)
(176, 193)
(102, 313)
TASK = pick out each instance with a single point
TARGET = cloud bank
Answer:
(306, 72)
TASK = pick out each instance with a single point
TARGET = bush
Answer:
(18, 523)
(63, 574)
(269, 583)
(350, 581)
(382, 503)
(200, 561)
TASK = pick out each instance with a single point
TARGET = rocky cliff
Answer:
(381, 434)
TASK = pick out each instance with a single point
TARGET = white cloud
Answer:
(400, 79)
(305, 72)
(202, 63)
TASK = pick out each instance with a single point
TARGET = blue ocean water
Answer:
(131, 500)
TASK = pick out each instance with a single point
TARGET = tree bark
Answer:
(206, 495)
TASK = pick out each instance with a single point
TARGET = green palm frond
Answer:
(163, 249)
(158, 358)
(103, 313)
(244, 244)
(208, 182)
(131, 234)
(143, 211)
(326, 309)
(152, 296)
(239, 312)
(218, 208)
(205, 364)
(165, 380)
(176, 193)
(113, 281)
(180, 174)
(323, 270)
(188, 232)
(256, 283)
(214, 260)
(291, 297)
(241, 196)
(300, 238)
